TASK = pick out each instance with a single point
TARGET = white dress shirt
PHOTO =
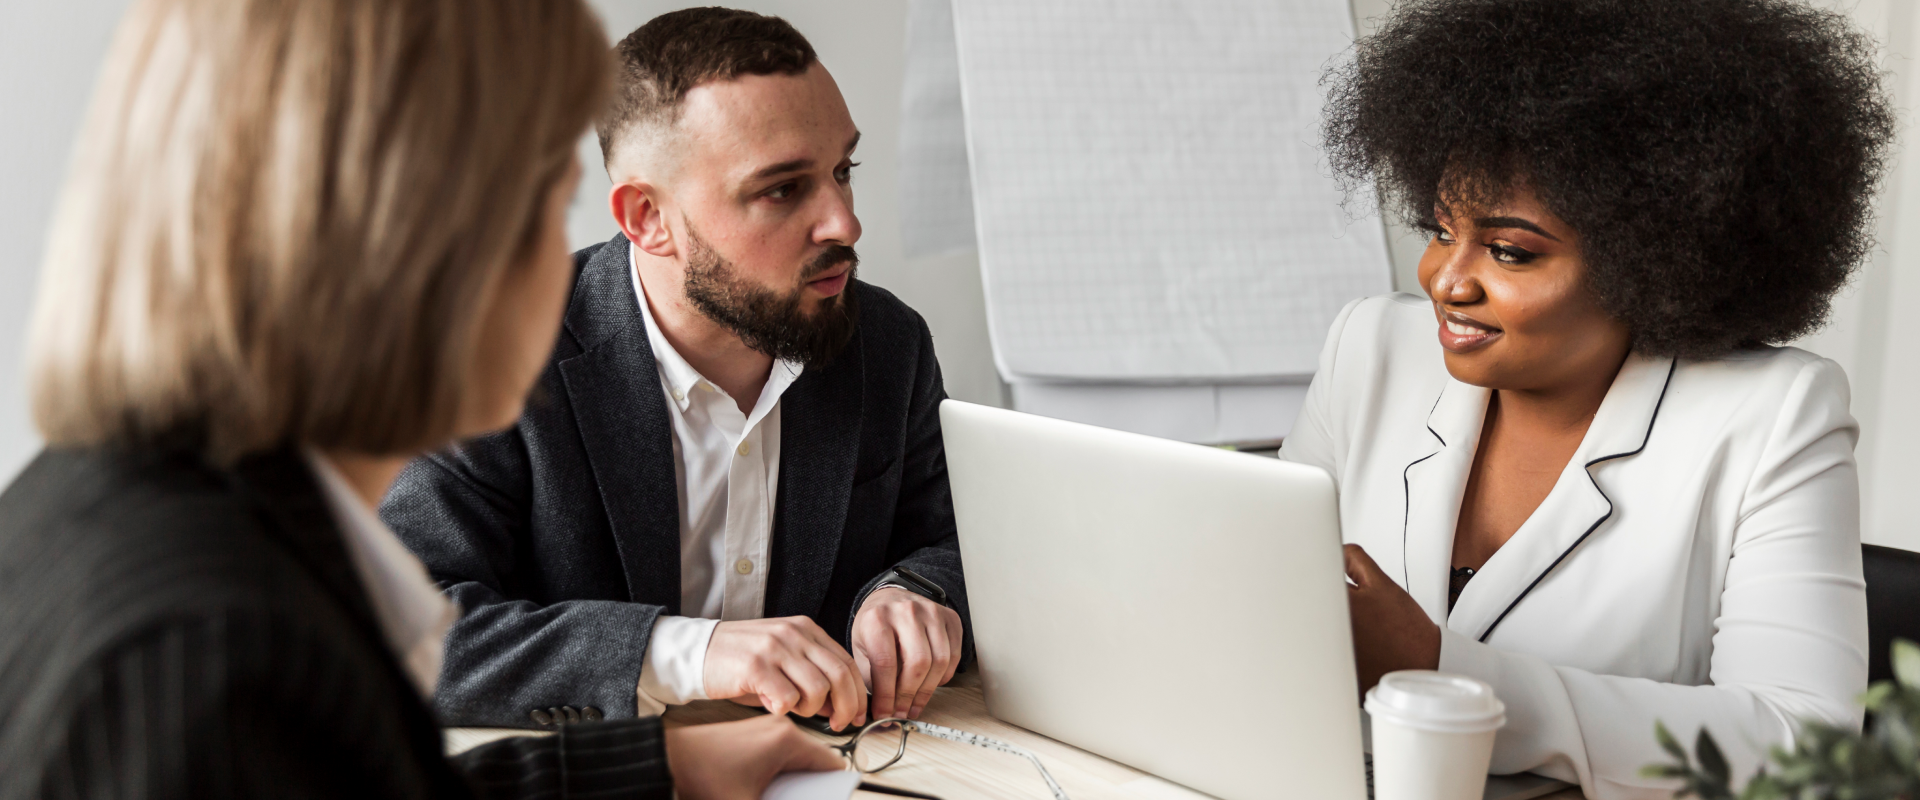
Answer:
(727, 467)
(414, 615)
(1697, 562)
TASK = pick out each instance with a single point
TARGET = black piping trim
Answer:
(1671, 367)
(1406, 494)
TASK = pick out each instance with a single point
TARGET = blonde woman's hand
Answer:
(736, 760)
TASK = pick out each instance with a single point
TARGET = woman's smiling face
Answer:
(1509, 294)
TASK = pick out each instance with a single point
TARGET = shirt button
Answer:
(743, 566)
(745, 448)
(678, 396)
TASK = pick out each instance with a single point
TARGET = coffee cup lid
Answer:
(1436, 701)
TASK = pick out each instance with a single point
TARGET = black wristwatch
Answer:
(913, 582)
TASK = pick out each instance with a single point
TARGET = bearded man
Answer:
(731, 482)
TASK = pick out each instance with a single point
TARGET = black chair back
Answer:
(1893, 604)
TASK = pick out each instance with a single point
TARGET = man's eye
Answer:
(783, 191)
(845, 174)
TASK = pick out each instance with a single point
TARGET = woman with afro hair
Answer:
(1585, 468)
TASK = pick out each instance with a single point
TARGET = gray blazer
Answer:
(561, 536)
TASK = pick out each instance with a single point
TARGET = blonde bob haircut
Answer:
(285, 219)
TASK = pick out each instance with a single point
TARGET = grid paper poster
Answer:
(1151, 199)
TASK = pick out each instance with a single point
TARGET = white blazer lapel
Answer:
(1435, 484)
(1577, 505)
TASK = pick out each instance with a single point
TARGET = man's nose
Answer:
(838, 225)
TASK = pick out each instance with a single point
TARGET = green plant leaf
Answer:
(1712, 761)
(1878, 694)
(1763, 787)
(1906, 663)
(1669, 744)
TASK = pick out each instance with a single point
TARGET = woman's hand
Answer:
(1390, 631)
(736, 760)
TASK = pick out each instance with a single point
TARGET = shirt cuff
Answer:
(674, 671)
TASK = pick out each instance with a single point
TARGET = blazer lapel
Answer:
(1435, 484)
(287, 495)
(613, 388)
(819, 448)
(284, 491)
(1577, 505)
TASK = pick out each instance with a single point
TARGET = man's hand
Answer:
(785, 664)
(906, 646)
(736, 760)
(1390, 630)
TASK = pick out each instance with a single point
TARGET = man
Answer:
(732, 485)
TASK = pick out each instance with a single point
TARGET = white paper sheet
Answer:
(1151, 199)
(936, 193)
(1205, 413)
(813, 786)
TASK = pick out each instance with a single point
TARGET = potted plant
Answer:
(1826, 763)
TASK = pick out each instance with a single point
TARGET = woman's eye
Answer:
(1509, 254)
(1442, 236)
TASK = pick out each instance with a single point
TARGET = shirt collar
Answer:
(413, 615)
(680, 376)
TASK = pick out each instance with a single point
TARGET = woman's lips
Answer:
(1460, 337)
(830, 286)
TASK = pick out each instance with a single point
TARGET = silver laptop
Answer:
(1177, 608)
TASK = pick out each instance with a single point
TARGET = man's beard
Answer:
(773, 322)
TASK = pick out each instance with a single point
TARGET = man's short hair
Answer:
(673, 53)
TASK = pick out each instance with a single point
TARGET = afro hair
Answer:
(1717, 157)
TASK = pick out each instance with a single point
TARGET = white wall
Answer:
(49, 53)
(1876, 320)
(862, 42)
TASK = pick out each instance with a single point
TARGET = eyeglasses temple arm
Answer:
(953, 735)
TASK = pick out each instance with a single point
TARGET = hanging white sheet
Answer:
(1151, 201)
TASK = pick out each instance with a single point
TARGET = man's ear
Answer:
(636, 208)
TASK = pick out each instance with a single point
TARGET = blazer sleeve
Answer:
(1313, 439)
(925, 539)
(461, 511)
(1790, 635)
(613, 759)
(246, 703)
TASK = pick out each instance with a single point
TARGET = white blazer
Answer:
(1698, 561)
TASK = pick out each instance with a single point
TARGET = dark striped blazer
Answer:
(171, 630)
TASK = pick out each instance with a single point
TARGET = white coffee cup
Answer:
(1432, 735)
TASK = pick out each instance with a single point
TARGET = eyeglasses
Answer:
(886, 743)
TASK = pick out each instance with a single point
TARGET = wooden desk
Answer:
(956, 771)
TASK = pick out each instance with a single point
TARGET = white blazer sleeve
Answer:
(1312, 439)
(1789, 638)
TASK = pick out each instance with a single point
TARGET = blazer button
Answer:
(541, 717)
(592, 714)
(572, 715)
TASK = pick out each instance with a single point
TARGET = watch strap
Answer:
(911, 581)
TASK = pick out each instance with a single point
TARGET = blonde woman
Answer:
(303, 241)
